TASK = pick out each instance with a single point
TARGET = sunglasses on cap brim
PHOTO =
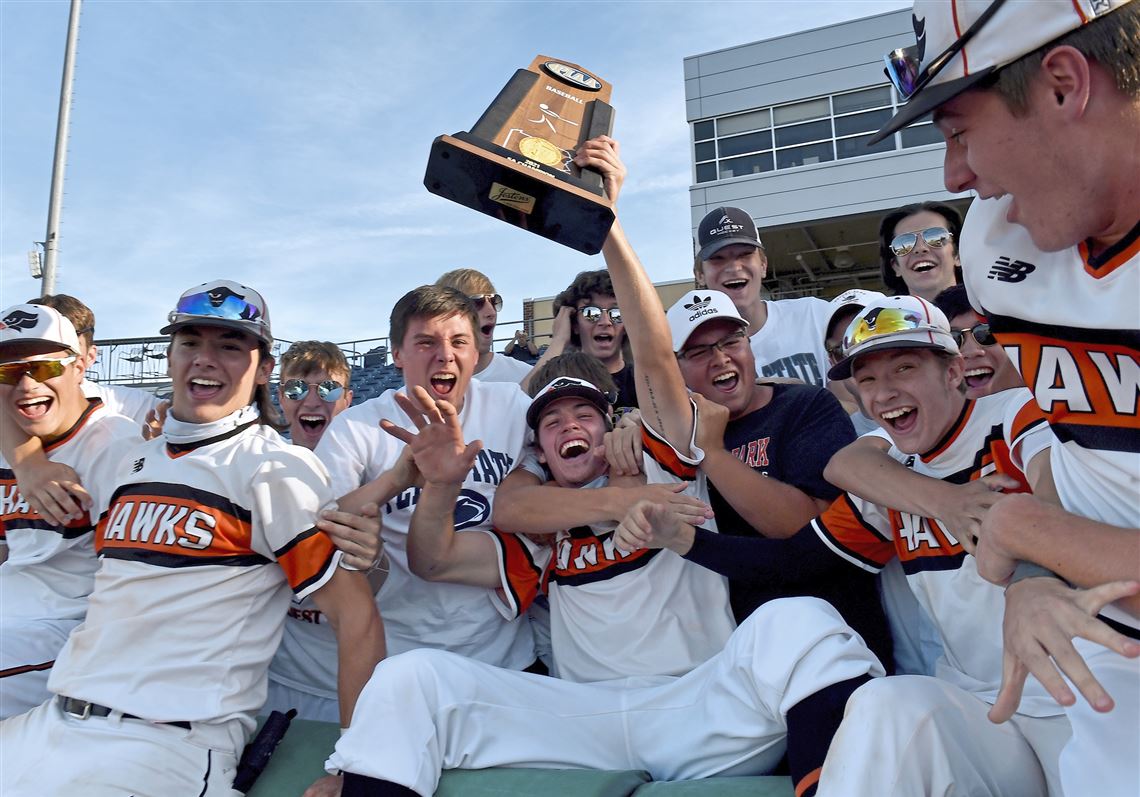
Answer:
(329, 390)
(38, 370)
(883, 322)
(230, 308)
(904, 67)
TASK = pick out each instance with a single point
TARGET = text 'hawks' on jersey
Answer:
(997, 433)
(1071, 324)
(608, 614)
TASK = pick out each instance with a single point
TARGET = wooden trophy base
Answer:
(503, 184)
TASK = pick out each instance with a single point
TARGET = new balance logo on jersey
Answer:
(18, 321)
(1006, 270)
(138, 465)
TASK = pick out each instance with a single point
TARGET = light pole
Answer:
(51, 241)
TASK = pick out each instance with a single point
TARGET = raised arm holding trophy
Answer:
(516, 162)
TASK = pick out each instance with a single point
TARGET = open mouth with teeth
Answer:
(202, 388)
(923, 266)
(442, 383)
(734, 284)
(900, 419)
(979, 378)
(312, 423)
(572, 449)
(37, 407)
(727, 381)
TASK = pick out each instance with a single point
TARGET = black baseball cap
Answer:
(569, 387)
(723, 227)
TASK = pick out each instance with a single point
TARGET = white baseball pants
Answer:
(428, 710)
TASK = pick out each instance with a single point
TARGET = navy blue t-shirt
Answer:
(792, 438)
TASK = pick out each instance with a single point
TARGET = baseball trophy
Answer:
(515, 163)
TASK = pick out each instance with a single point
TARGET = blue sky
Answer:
(283, 145)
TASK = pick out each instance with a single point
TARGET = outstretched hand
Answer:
(437, 445)
(1042, 616)
(653, 523)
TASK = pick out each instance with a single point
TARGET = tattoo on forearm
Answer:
(657, 423)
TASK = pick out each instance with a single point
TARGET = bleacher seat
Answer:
(299, 760)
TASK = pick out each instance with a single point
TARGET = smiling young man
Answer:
(766, 446)
(784, 334)
(587, 317)
(491, 366)
(434, 341)
(209, 529)
(906, 735)
(1040, 107)
(717, 701)
(48, 570)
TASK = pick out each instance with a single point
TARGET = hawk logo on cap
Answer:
(698, 303)
(561, 383)
(919, 35)
(18, 321)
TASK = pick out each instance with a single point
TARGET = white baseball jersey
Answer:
(998, 433)
(503, 369)
(1071, 325)
(132, 402)
(609, 617)
(208, 529)
(790, 344)
(418, 613)
(50, 569)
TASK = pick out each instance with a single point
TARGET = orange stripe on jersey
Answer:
(1113, 262)
(582, 557)
(952, 435)
(1027, 417)
(842, 525)
(1080, 382)
(167, 524)
(16, 514)
(665, 456)
(306, 558)
(524, 578)
(92, 405)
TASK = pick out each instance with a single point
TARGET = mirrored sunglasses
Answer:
(904, 67)
(231, 307)
(731, 343)
(882, 322)
(980, 332)
(594, 314)
(329, 390)
(39, 370)
(482, 298)
(934, 237)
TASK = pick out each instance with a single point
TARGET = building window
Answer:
(812, 131)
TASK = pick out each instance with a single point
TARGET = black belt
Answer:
(82, 710)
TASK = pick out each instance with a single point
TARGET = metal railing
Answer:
(141, 362)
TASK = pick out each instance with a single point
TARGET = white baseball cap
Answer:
(855, 297)
(37, 323)
(221, 303)
(960, 43)
(894, 322)
(696, 309)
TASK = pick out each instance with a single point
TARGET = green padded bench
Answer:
(300, 758)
